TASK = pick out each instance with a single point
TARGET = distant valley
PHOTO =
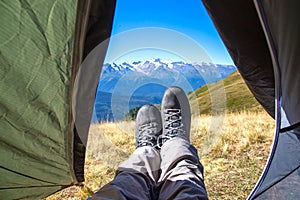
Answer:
(125, 86)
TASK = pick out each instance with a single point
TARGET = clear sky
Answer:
(180, 18)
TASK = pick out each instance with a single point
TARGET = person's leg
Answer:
(136, 177)
(182, 172)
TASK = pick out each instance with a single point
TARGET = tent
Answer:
(262, 38)
(48, 88)
(42, 44)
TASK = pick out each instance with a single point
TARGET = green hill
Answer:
(237, 96)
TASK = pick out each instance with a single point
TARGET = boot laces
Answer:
(146, 134)
(173, 126)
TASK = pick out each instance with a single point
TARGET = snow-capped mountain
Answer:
(145, 82)
(164, 72)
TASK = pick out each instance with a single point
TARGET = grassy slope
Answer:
(231, 168)
(238, 97)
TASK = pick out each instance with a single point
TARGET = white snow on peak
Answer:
(148, 66)
(115, 67)
(170, 65)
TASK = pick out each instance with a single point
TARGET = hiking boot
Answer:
(176, 115)
(148, 126)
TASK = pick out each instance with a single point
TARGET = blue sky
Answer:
(184, 20)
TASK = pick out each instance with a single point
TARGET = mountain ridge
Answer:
(190, 76)
(127, 86)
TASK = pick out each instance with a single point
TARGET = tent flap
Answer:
(36, 42)
(239, 27)
(283, 177)
(281, 19)
(93, 29)
(262, 37)
(283, 165)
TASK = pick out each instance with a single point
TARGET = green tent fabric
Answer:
(35, 82)
(41, 49)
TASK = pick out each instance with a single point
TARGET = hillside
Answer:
(238, 96)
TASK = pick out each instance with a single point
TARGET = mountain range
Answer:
(125, 86)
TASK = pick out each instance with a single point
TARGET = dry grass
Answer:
(233, 158)
(236, 160)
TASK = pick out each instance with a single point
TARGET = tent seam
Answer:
(277, 76)
(76, 60)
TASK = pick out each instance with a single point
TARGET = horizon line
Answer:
(165, 61)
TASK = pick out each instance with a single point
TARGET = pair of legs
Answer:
(164, 165)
